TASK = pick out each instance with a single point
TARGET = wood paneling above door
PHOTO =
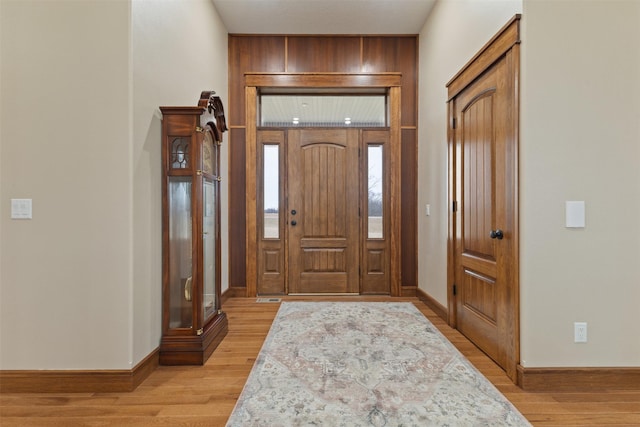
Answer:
(323, 54)
(343, 54)
(397, 54)
(246, 54)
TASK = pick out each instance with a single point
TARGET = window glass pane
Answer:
(323, 110)
(180, 153)
(180, 263)
(209, 247)
(375, 204)
(271, 191)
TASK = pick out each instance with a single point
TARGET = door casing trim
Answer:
(253, 83)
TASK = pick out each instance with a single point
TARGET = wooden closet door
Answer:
(483, 271)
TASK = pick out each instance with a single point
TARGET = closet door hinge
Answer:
(453, 123)
(454, 206)
(455, 290)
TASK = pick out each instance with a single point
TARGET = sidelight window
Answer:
(375, 203)
(271, 191)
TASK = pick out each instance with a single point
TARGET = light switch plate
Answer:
(575, 214)
(21, 209)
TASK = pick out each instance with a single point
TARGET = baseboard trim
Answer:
(408, 291)
(85, 381)
(579, 380)
(434, 305)
(233, 292)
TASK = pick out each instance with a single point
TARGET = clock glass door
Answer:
(209, 247)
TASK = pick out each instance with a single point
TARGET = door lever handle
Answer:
(496, 234)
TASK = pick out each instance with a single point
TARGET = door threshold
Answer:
(324, 294)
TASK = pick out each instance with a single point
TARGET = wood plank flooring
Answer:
(205, 395)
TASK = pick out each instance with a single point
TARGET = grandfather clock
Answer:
(193, 323)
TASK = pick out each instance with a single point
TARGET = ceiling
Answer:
(324, 16)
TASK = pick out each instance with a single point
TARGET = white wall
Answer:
(80, 284)
(66, 274)
(179, 50)
(580, 140)
(452, 35)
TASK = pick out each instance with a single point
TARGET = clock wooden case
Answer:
(193, 323)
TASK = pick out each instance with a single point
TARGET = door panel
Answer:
(323, 205)
(478, 259)
(485, 171)
(479, 145)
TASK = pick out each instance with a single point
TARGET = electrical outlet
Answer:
(580, 332)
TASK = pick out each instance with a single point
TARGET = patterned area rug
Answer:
(365, 364)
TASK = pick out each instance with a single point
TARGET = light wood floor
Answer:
(206, 395)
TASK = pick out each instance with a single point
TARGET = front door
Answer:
(323, 211)
(485, 264)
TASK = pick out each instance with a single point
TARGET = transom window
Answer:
(323, 110)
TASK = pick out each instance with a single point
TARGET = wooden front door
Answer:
(485, 256)
(322, 211)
